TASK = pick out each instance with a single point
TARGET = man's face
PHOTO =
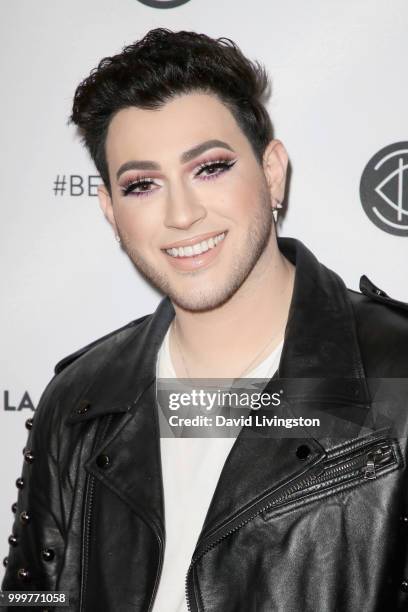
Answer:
(187, 174)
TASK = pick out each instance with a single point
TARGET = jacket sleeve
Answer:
(36, 542)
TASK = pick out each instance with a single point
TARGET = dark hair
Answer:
(151, 71)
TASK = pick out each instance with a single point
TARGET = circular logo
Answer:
(163, 4)
(384, 189)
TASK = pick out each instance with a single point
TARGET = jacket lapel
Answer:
(124, 385)
(321, 374)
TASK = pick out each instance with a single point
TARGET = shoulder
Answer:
(382, 330)
(104, 342)
(73, 372)
(374, 305)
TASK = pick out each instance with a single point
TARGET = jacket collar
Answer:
(320, 337)
(320, 348)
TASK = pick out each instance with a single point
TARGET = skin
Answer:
(249, 285)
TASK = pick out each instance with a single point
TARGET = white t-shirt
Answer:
(191, 468)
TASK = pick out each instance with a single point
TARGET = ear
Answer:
(275, 165)
(105, 202)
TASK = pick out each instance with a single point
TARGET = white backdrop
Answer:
(340, 94)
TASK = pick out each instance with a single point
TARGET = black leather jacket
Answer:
(297, 524)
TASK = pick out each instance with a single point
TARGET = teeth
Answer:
(196, 249)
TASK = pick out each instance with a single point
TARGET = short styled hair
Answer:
(162, 65)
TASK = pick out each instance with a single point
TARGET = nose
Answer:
(183, 208)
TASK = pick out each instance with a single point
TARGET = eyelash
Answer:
(131, 184)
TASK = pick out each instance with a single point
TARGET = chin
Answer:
(200, 300)
(195, 305)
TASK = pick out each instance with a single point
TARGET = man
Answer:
(118, 516)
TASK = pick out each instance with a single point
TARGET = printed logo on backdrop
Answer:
(76, 185)
(163, 4)
(384, 189)
(17, 404)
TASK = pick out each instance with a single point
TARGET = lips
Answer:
(193, 240)
(199, 254)
(197, 248)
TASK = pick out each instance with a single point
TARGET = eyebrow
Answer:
(184, 157)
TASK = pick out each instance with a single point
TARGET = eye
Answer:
(214, 168)
(139, 187)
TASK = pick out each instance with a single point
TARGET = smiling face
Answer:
(189, 199)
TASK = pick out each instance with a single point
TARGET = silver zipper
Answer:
(365, 462)
(89, 497)
(90, 485)
(158, 574)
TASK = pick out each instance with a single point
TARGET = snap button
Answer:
(404, 519)
(29, 456)
(47, 554)
(303, 451)
(29, 423)
(83, 407)
(404, 586)
(20, 483)
(24, 517)
(14, 507)
(103, 461)
(13, 540)
(5, 561)
(24, 574)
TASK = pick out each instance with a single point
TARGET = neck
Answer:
(220, 343)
